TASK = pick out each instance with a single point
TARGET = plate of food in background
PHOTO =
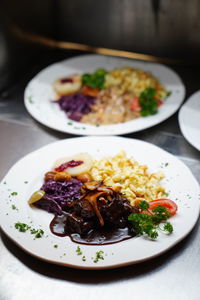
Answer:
(100, 95)
(120, 201)
(189, 120)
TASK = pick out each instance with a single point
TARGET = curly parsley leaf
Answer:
(95, 80)
(148, 103)
(148, 223)
(168, 227)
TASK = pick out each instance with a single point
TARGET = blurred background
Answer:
(163, 28)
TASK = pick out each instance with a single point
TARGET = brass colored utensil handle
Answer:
(42, 40)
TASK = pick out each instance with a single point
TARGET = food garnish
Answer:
(148, 103)
(151, 219)
(95, 80)
(23, 227)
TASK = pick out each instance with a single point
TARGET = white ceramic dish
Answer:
(39, 93)
(26, 176)
(189, 120)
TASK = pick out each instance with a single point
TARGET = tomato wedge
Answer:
(170, 205)
(135, 106)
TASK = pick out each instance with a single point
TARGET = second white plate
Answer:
(39, 93)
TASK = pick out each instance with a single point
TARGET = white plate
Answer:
(39, 93)
(179, 182)
(189, 120)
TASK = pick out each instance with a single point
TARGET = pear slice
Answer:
(67, 85)
(84, 167)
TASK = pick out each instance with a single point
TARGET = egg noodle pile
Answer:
(134, 80)
(132, 179)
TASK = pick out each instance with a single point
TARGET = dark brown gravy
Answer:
(101, 236)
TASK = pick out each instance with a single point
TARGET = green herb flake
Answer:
(99, 256)
(55, 246)
(22, 227)
(25, 182)
(168, 93)
(14, 207)
(84, 258)
(79, 251)
(30, 99)
(14, 194)
(69, 123)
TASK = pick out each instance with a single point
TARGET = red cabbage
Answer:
(76, 105)
(58, 194)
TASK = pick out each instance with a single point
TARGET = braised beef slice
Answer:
(84, 209)
(77, 224)
(116, 211)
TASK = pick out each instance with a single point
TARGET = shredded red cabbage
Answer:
(59, 194)
(76, 105)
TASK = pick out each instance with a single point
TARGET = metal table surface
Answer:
(174, 275)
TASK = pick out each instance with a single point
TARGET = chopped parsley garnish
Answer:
(25, 182)
(148, 103)
(55, 246)
(14, 194)
(168, 93)
(30, 99)
(99, 256)
(69, 123)
(22, 227)
(149, 224)
(79, 251)
(38, 232)
(84, 258)
(14, 207)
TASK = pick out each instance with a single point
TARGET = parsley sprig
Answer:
(149, 223)
(95, 80)
(148, 103)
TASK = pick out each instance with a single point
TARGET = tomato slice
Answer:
(169, 204)
(135, 106)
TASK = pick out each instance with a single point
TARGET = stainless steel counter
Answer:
(174, 275)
